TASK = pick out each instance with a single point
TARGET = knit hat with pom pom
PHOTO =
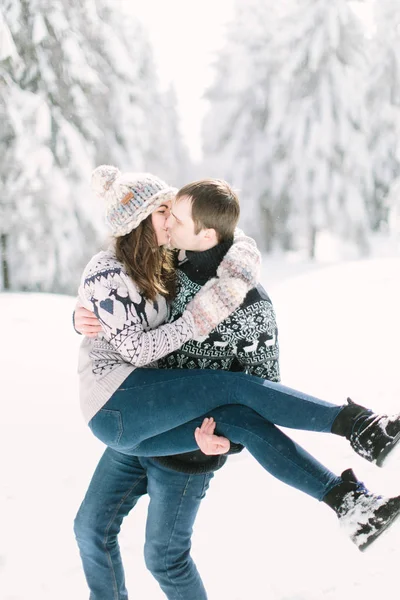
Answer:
(129, 197)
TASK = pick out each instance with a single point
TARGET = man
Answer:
(177, 484)
(202, 222)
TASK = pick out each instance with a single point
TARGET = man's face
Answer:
(181, 229)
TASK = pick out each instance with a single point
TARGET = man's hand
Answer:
(86, 322)
(207, 441)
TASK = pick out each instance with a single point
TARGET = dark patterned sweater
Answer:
(247, 341)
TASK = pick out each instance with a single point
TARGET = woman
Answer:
(148, 412)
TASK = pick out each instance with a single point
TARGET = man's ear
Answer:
(210, 234)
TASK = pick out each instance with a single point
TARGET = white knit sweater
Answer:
(133, 334)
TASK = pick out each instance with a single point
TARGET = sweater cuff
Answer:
(188, 318)
(235, 448)
(73, 324)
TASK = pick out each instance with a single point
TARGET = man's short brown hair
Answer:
(215, 205)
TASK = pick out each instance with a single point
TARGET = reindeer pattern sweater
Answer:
(246, 341)
(133, 334)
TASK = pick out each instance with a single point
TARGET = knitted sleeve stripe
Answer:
(216, 300)
(242, 261)
(124, 313)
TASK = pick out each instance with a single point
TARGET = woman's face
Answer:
(158, 219)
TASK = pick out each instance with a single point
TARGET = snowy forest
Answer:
(303, 119)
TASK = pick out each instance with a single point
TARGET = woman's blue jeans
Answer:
(117, 484)
(155, 412)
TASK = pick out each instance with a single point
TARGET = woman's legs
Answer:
(275, 451)
(152, 401)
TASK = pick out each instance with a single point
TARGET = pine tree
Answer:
(7, 52)
(140, 121)
(47, 155)
(80, 90)
(324, 71)
(234, 139)
(173, 164)
(293, 125)
(384, 108)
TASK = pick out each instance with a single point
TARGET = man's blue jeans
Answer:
(117, 484)
(155, 412)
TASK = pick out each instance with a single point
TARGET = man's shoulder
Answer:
(254, 314)
(255, 318)
(257, 294)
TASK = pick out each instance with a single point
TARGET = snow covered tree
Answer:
(140, 128)
(235, 146)
(7, 51)
(46, 152)
(173, 163)
(292, 127)
(323, 121)
(81, 89)
(384, 107)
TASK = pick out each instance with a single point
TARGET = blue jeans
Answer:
(155, 412)
(117, 484)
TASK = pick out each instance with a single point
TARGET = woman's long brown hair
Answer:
(152, 267)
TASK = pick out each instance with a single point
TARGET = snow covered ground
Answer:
(339, 332)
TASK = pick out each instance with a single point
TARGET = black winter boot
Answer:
(363, 515)
(372, 436)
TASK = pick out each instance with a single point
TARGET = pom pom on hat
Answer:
(102, 179)
(129, 197)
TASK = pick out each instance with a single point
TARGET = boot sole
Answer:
(387, 452)
(377, 534)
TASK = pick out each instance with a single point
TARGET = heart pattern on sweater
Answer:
(107, 305)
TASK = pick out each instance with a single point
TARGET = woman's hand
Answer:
(86, 322)
(208, 442)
